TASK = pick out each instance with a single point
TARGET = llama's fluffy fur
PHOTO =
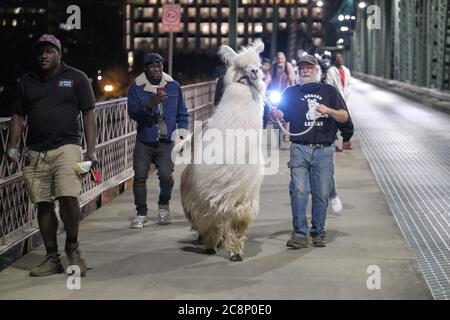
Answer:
(220, 200)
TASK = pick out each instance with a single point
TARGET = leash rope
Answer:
(281, 125)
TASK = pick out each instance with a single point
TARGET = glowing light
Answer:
(108, 88)
(275, 97)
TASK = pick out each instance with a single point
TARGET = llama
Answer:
(220, 200)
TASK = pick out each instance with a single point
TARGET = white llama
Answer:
(220, 200)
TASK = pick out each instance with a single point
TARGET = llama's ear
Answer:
(227, 54)
(258, 46)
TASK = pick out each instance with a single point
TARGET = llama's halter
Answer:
(245, 80)
(248, 78)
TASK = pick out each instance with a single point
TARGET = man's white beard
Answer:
(315, 78)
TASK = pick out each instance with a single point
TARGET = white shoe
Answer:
(164, 215)
(139, 222)
(336, 204)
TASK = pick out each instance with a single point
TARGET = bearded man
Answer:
(311, 155)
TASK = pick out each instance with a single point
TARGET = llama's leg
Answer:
(236, 235)
(211, 238)
(221, 241)
(185, 192)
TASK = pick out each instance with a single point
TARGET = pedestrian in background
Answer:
(155, 102)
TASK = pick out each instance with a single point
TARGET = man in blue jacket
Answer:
(155, 102)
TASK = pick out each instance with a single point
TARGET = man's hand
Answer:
(90, 156)
(156, 99)
(276, 114)
(16, 127)
(340, 115)
(13, 154)
(323, 109)
(180, 134)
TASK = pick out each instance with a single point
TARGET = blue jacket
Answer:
(175, 112)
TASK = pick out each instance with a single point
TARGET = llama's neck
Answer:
(238, 109)
(238, 95)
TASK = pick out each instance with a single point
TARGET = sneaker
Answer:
(348, 146)
(318, 241)
(51, 265)
(164, 215)
(339, 149)
(336, 204)
(297, 243)
(139, 222)
(74, 255)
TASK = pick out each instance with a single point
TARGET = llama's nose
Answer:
(254, 73)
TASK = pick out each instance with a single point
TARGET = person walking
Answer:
(51, 98)
(311, 155)
(155, 102)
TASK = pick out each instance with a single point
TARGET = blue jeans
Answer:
(312, 172)
(333, 192)
(144, 155)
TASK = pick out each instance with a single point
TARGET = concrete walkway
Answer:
(164, 262)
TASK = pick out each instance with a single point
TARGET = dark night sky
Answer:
(98, 45)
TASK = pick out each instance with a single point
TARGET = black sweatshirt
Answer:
(294, 105)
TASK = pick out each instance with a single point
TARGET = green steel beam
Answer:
(412, 46)
(233, 24)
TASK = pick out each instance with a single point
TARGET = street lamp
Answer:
(108, 88)
(362, 5)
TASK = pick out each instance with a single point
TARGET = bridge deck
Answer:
(164, 262)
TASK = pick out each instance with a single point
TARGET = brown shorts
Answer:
(51, 174)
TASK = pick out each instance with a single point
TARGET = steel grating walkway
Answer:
(408, 147)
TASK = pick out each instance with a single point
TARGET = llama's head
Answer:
(245, 66)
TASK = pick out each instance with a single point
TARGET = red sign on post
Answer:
(171, 21)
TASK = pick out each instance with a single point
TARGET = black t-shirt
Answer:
(294, 104)
(53, 107)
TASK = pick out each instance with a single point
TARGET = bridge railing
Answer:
(116, 136)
